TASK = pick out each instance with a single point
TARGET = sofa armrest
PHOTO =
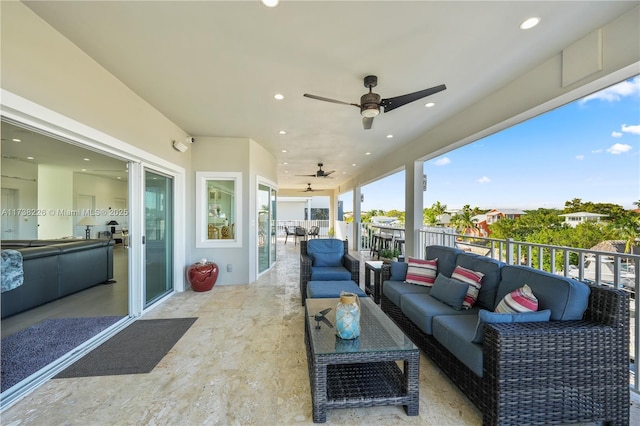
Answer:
(569, 370)
(608, 306)
(305, 274)
(386, 272)
(353, 265)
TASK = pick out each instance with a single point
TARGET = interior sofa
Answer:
(53, 269)
(568, 362)
(326, 259)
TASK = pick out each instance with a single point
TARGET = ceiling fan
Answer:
(309, 189)
(320, 173)
(370, 103)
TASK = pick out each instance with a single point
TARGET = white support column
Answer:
(414, 199)
(357, 208)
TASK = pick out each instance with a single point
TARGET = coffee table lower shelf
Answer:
(366, 384)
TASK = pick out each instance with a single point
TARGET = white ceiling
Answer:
(213, 67)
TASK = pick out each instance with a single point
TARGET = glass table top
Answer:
(377, 332)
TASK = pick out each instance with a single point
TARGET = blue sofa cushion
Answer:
(491, 270)
(330, 273)
(422, 308)
(332, 289)
(325, 252)
(449, 291)
(395, 289)
(455, 332)
(446, 258)
(487, 317)
(566, 298)
(398, 271)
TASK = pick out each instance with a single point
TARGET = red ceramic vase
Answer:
(202, 276)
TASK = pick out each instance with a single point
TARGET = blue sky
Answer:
(588, 149)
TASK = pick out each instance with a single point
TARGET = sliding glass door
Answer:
(266, 227)
(158, 244)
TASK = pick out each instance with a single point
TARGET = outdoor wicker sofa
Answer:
(557, 371)
(326, 259)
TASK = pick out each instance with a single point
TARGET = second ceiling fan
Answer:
(371, 102)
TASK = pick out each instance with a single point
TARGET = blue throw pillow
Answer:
(326, 252)
(398, 271)
(488, 317)
(449, 291)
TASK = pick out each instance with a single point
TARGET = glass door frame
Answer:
(273, 187)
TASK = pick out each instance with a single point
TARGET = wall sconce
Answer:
(87, 221)
(362, 198)
(112, 223)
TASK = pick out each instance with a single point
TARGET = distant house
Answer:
(574, 219)
(481, 222)
(495, 215)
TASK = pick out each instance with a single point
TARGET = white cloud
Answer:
(615, 93)
(619, 148)
(615, 134)
(580, 157)
(597, 151)
(442, 161)
(631, 129)
(484, 179)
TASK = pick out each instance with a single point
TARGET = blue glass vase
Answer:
(348, 316)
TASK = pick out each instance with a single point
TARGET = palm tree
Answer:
(628, 228)
(463, 220)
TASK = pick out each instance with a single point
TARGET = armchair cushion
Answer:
(330, 273)
(325, 252)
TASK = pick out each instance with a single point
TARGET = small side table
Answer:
(374, 266)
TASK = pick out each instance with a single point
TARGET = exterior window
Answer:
(218, 209)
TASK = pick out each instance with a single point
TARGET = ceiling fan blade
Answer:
(367, 122)
(393, 103)
(326, 174)
(307, 175)
(320, 98)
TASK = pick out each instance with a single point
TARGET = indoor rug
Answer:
(31, 349)
(135, 350)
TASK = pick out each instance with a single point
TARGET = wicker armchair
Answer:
(543, 373)
(348, 261)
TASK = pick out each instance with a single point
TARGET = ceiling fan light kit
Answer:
(371, 102)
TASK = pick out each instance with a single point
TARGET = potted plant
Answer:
(387, 255)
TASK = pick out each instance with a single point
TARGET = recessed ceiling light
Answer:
(429, 104)
(354, 164)
(285, 163)
(389, 136)
(29, 158)
(283, 132)
(83, 170)
(270, 3)
(284, 150)
(119, 177)
(279, 96)
(86, 159)
(367, 153)
(530, 23)
(16, 140)
(286, 171)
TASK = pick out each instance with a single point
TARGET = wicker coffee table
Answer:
(361, 372)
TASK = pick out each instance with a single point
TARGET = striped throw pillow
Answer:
(474, 279)
(422, 272)
(520, 300)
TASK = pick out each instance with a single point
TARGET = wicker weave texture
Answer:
(362, 379)
(557, 372)
(348, 261)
